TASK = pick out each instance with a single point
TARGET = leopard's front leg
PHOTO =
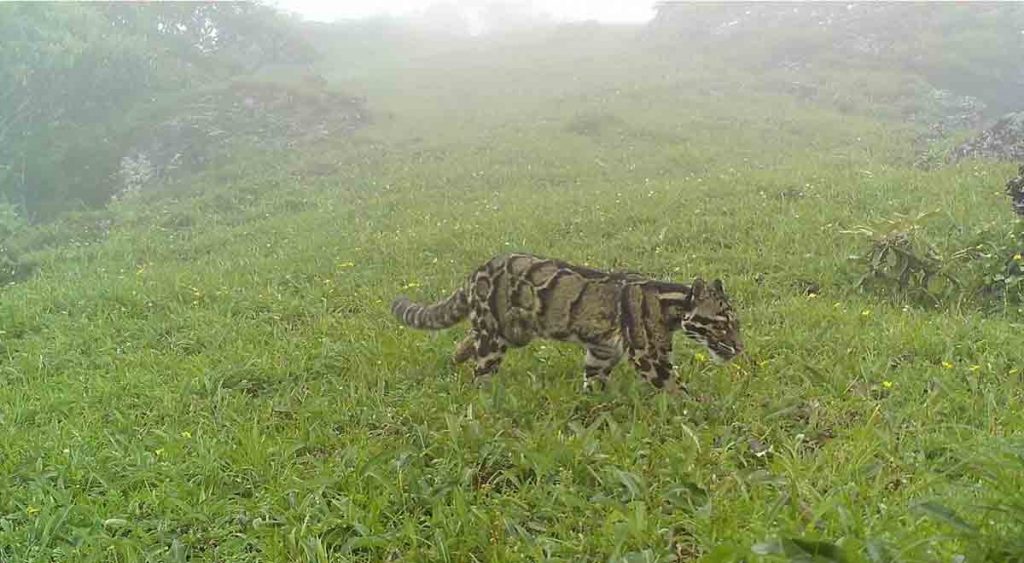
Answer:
(656, 367)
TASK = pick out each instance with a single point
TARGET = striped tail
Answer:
(442, 314)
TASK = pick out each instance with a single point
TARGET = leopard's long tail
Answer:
(442, 314)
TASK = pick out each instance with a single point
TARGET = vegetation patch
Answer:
(1004, 140)
(247, 114)
(902, 262)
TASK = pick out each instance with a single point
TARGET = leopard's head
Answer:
(711, 320)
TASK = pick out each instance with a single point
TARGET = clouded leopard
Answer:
(515, 298)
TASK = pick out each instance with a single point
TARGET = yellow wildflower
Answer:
(947, 365)
(887, 384)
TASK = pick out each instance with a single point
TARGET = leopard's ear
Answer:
(697, 289)
(717, 286)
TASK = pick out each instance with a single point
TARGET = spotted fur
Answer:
(515, 298)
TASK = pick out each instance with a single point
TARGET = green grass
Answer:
(219, 379)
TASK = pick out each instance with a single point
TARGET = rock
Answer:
(944, 113)
(1015, 189)
(263, 115)
(1003, 141)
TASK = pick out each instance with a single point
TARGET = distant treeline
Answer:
(74, 77)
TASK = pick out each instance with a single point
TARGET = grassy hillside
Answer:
(218, 377)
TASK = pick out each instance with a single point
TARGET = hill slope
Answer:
(218, 378)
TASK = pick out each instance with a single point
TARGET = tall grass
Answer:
(218, 378)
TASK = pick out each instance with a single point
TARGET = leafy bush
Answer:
(186, 133)
(70, 75)
(904, 263)
(995, 265)
(987, 271)
(12, 267)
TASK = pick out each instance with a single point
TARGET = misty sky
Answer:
(611, 11)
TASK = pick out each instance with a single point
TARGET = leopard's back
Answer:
(524, 296)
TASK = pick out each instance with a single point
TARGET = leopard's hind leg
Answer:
(598, 365)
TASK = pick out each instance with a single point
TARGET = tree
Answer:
(71, 74)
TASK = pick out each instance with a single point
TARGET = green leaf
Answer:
(944, 514)
(630, 481)
(801, 550)
(811, 550)
(877, 552)
(773, 547)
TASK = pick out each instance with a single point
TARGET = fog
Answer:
(475, 16)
